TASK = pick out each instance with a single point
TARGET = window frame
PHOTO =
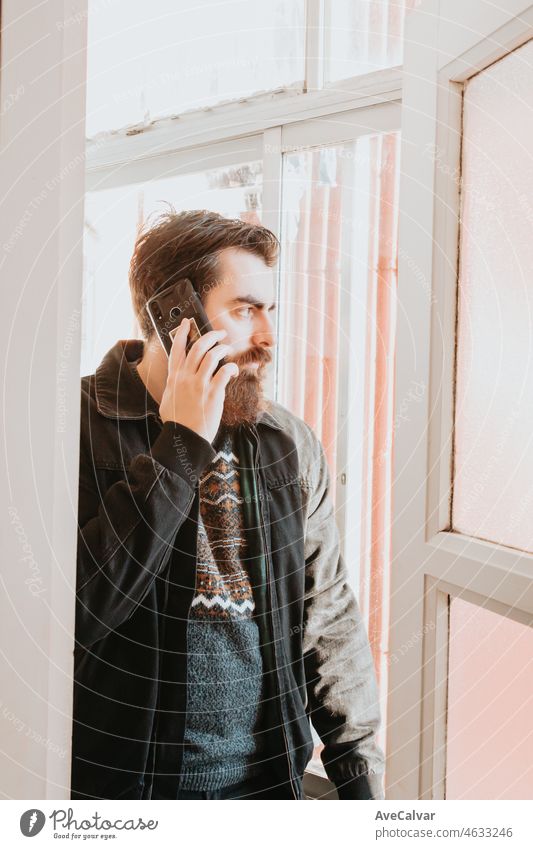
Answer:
(430, 562)
(234, 121)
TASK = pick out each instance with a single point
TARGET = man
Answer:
(213, 617)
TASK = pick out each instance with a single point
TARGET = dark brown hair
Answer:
(187, 244)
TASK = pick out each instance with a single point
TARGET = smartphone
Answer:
(168, 308)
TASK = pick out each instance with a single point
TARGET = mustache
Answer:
(254, 355)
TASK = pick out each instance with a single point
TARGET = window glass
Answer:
(170, 56)
(489, 749)
(493, 488)
(337, 321)
(363, 36)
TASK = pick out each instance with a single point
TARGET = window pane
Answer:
(363, 36)
(337, 320)
(168, 56)
(493, 489)
(489, 752)
(112, 219)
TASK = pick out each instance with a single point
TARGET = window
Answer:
(363, 36)
(462, 528)
(143, 63)
(337, 314)
(493, 491)
(321, 169)
(489, 750)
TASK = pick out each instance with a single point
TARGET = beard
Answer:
(245, 401)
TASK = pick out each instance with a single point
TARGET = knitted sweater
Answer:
(223, 741)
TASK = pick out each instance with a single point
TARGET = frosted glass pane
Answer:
(112, 218)
(493, 488)
(489, 752)
(162, 58)
(363, 36)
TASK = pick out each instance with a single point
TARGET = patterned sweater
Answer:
(224, 739)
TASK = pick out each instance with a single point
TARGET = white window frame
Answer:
(431, 564)
(234, 121)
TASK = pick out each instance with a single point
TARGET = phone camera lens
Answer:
(175, 312)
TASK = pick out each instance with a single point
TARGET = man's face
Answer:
(243, 304)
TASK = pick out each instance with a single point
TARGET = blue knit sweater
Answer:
(224, 739)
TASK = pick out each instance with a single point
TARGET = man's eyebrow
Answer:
(248, 299)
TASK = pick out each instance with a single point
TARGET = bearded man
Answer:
(214, 619)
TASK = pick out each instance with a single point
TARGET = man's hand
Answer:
(192, 396)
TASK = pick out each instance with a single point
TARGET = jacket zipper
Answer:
(269, 613)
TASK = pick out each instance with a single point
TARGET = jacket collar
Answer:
(120, 392)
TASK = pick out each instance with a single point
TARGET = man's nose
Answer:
(264, 332)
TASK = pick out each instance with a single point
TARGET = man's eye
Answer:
(245, 312)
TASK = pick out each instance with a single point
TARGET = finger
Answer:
(211, 360)
(201, 346)
(224, 375)
(179, 342)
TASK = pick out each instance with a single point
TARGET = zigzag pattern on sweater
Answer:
(223, 589)
(221, 475)
(231, 495)
(225, 603)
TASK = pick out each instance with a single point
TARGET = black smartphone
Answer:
(168, 308)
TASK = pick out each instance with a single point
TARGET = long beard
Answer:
(244, 401)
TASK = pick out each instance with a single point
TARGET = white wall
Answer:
(42, 99)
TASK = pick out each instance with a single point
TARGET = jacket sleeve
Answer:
(343, 702)
(124, 534)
